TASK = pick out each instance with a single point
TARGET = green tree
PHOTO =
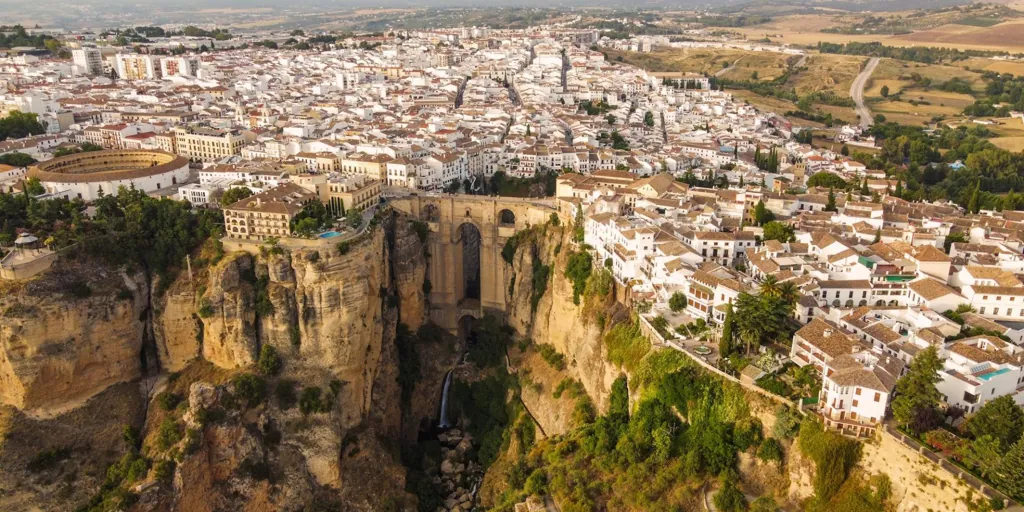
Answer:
(973, 205)
(830, 206)
(762, 215)
(984, 454)
(776, 230)
(1002, 419)
(34, 187)
(884, 91)
(677, 302)
(577, 270)
(269, 362)
(16, 159)
(826, 179)
(764, 504)
(725, 342)
(729, 498)
(952, 238)
(353, 218)
(312, 218)
(1010, 476)
(916, 395)
(18, 125)
(234, 195)
(649, 118)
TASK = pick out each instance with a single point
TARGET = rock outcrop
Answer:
(228, 313)
(177, 329)
(68, 335)
(409, 266)
(556, 319)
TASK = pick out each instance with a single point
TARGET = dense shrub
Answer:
(269, 362)
(250, 388)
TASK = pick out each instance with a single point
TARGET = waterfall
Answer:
(444, 401)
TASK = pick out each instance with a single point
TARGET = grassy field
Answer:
(833, 73)
(768, 65)
(806, 30)
(1004, 36)
(1015, 144)
(996, 66)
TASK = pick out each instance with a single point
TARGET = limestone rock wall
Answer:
(409, 265)
(177, 329)
(557, 320)
(69, 335)
(228, 314)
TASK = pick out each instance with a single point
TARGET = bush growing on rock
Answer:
(269, 362)
(168, 400)
(250, 388)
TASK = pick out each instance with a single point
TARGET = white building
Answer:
(88, 60)
(132, 66)
(979, 369)
(178, 66)
(855, 391)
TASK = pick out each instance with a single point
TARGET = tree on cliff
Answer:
(914, 407)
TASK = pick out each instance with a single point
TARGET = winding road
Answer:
(857, 93)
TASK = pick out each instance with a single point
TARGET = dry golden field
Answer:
(806, 30)
(828, 73)
(768, 65)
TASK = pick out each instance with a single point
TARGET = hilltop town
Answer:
(809, 270)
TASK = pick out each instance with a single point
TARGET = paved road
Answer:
(857, 93)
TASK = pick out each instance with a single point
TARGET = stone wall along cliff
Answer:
(68, 335)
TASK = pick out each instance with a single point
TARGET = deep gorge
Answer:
(312, 380)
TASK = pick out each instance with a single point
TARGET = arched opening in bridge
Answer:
(507, 218)
(465, 330)
(430, 213)
(469, 239)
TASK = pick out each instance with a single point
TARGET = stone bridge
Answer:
(467, 233)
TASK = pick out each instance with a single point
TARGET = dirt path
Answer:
(728, 69)
(857, 93)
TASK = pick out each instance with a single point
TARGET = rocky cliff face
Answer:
(557, 320)
(69, 335)
(177, 328)
(227, 309)
(409, 266)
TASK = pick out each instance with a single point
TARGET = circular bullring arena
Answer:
(89, 174)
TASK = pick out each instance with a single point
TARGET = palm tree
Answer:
(770, 287)
(789, 294)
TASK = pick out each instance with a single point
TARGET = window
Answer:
(856, 391)
(878, 396)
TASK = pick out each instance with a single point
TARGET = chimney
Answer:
(828, 332)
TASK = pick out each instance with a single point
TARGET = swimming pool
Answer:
(328, 234)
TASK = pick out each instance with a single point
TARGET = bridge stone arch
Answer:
(448, 301)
